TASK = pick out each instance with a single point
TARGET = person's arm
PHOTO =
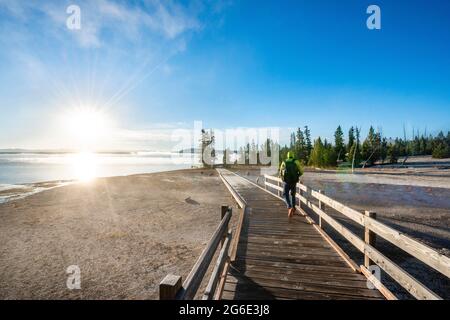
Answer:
(282, 166)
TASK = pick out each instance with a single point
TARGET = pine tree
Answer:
(247, 154)
(329, 156)
(355, 150)
(393, 151)
(266, 151)
(441, 147)
(351, 140)
(441, 151)
(269, 147)
(371, 147)
(358, 136)
(316, 156)
(300, 146)
(339, 143)
(253, 154)
(292, 143)
(383, 150)
(308, 143)
(416, 146)
(423, 145)
(355, 155)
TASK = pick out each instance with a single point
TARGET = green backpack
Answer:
(291, 174)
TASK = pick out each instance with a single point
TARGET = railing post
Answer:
(369, 238)
(300, 192)
(223, 212)
(169, 287)
(278, 191)
(321, 207)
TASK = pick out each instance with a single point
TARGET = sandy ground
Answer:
(413, 200)
(125, 234)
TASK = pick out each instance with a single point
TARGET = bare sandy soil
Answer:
(125, 233)
(414, 200)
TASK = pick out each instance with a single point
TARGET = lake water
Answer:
(20, 168)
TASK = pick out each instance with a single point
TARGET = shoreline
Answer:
(11, 192)
(23, 190)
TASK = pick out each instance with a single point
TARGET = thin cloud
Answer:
(167, 19)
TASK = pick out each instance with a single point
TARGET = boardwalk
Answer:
(281, 259)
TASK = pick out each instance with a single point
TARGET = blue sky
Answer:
(153, 66)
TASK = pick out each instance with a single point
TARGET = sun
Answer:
(86, 125)
(87, 130)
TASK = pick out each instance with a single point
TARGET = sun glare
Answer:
(86, 125)
(84, 166)
(88, 129)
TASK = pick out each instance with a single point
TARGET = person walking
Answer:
(290, 172)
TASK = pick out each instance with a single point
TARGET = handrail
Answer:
(221, 260)
(171, 289)
(241, 202)
(418, 250)
(243, 205)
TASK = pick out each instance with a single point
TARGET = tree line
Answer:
(373, 149)
(351, 150)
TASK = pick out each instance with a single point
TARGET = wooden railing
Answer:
(243, 206)
(372, 228)
(171, 288)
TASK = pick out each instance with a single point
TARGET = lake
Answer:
(29, 167)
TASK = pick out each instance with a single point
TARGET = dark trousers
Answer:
(289, 194)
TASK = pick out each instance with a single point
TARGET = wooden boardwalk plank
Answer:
(281, 258)
(333, 287)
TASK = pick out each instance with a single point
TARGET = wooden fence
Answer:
(172, 288)
(372, 228)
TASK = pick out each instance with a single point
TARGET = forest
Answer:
(350, 150)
